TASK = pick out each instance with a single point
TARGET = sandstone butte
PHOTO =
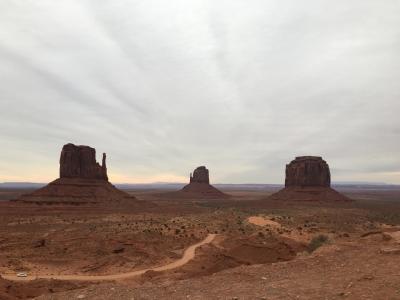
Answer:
(199, 185)
(82, 181)
(308, 178)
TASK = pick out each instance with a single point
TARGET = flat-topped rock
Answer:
(308, 171)
(308, 178)
(200, 175)
(80, 162)
(199, 185)
(82, 181)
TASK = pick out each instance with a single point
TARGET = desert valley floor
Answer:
(243, 247)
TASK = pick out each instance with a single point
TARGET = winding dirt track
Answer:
(188, 255)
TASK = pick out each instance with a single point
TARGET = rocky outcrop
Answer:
(308, 171)
(80, 162)
(200, 175)
(308, 178)
(82, 181)
(200, 187)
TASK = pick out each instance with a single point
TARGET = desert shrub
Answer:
(317, 242)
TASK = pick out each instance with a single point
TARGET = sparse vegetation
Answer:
(317, 242)
(161, 234)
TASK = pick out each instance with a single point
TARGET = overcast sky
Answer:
(241, 86)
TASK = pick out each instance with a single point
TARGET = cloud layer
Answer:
(164, 86)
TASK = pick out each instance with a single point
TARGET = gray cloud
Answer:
(241, 86)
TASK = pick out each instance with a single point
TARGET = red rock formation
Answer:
(82, 181)
(308, 171)
(80, 162)
(308, 178)
(200, 175)
(200, 186)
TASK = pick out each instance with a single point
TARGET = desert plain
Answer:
(247, 246)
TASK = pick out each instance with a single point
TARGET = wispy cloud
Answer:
(162, 87)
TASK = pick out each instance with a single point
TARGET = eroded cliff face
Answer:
(200, 175)
(80, 162)
(82, 181)
(200, 186)
(308, 178)
(308, 171)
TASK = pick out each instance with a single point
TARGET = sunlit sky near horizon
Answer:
(165, 86)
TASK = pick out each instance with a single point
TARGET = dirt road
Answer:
(188, 255)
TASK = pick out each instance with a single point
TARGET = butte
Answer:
(308, 178)
(199, 187)
(82, 181)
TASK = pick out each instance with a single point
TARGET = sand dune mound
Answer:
(251, 251)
